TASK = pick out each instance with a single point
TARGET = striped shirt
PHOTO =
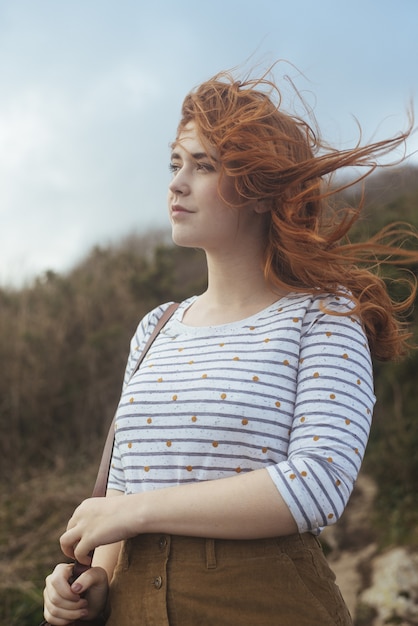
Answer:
(289, 389)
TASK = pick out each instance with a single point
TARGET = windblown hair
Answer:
(279, 159)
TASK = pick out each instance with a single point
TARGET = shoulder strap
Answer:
(104, 467)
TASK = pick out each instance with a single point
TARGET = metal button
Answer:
(162, 542)
(157, 582)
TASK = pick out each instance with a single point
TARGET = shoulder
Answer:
(317, 309)
(312, 305)
(341, 303)
(324, 305)
(150, 320)
(331, 320)
(142, 334)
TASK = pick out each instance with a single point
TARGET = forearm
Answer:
(248, 506)
(107, 558)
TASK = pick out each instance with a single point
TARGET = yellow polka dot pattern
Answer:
(290, 391)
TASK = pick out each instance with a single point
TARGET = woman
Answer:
(243, 431)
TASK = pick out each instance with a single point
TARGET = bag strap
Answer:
(104, 467)
(100, 486)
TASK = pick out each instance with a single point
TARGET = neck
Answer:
(234, 282)
(236, 289)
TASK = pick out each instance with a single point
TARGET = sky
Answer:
(91, 90)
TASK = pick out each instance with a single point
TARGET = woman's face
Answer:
(199, 215)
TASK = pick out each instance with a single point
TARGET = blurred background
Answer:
(90, 95)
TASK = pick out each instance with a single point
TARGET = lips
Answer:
(177, 209)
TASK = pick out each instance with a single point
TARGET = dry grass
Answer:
(33, 514)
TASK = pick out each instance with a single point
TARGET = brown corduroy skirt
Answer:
(166, 580)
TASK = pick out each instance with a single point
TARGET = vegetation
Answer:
(63, 346)
(392, 455)
(65, 341)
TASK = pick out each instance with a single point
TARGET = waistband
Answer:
(188, 549)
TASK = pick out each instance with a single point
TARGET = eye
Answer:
(174, 167)
(205, 166)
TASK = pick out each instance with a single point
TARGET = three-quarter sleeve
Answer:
(331, 423)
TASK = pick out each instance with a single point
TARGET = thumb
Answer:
(91, 577)
(94, 586)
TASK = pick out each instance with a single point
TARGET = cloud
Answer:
(91, 94)
(66, 166)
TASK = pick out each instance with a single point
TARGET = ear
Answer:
(262, 206)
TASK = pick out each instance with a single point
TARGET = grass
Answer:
(33, 514)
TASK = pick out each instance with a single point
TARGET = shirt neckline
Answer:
(247, 321)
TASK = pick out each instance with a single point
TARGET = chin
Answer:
(184, 243)
(183, 239)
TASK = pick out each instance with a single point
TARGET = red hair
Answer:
(277, 158)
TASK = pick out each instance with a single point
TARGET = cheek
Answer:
(231, 195)
(226, 190)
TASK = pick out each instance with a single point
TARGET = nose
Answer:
(179, 183)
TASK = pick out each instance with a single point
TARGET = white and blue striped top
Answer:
(289, 389)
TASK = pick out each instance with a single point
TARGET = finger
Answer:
(62, 617)
(61, 604)
(64, 608)
(76, 547)
(68, 540)
(93, 577)
(56, 584)
(93, 585)
(56, 603)
(83, 555)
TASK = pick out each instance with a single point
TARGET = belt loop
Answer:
(210, 554)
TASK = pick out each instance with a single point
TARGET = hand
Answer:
(97, 522)
(84, 599)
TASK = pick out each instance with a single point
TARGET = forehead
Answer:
(189, 141)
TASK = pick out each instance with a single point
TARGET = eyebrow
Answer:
(195, 155)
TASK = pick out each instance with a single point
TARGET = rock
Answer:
(350, 544)
(348, 569)
(379, 588)
(393, 594)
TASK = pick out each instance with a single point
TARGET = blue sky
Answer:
(90, 93)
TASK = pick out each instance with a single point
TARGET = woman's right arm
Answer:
(86, 598)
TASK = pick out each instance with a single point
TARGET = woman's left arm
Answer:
(247, 506)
